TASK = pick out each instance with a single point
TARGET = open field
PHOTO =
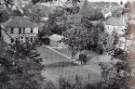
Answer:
(64, 51)
(56, 66)
(87, 73)
(50, 57)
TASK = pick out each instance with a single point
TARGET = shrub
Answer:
(83, 58)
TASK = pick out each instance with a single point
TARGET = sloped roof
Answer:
(20, 22)
(56, 37)
(115, 21)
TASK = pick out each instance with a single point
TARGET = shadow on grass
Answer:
(61, 64)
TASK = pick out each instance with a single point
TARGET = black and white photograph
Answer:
(67, 44)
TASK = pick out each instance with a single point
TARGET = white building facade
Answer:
(119, 26)
(19, 28)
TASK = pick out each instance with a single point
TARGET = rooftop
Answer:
(116, 21)
(20, 21)
(56, 37)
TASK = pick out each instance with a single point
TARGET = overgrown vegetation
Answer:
(19, 67)
(117, 83)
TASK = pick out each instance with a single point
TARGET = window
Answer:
(31, 31)
(12, 40)
(23, 30)
(31, 39)
(12, 30)
(27, 30)
(19, 30)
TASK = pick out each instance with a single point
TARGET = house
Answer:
(116, 24)
(19, 28)
(55, 41)
(122, 43)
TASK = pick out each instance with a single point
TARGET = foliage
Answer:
(6, 10)
(35, 1)
(66, 84)
(91, 13)
(83, 58)
(4, 16)
(56, 22)
(86, 36)
(120, 54)
(89, 33)
(115, 76)
(35, 12)
(19, 69)
(8, 3)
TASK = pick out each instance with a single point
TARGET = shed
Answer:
(55, 40)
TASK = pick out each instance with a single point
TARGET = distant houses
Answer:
(19, 28)
(117, 24)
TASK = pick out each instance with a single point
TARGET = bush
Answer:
(18, 70)
(120, 54)
(83, 58)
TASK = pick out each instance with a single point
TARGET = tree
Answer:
(19, 70)
(83, 58)
(90, 12)
(84, 36)
(89, 33)
(4, 16)
(8, 3)
(56, 21)
(114, 75)
(4, 12)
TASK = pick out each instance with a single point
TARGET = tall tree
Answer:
(89, 33)
(19, 68)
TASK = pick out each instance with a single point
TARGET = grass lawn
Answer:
(50, 57)
(87, 73)
(57, 66)
(64, 51)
